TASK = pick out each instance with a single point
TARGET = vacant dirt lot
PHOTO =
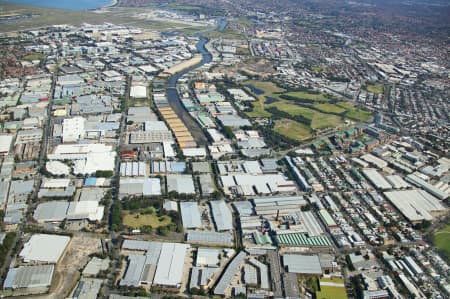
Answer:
(74, 259)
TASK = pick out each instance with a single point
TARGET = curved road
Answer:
(174, 98)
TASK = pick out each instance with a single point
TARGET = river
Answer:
(65, 4)
(174, 98)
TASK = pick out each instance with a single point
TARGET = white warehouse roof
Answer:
(222, 215)
(44, 248)
(190, 214)
(415, 205)
(170, 269)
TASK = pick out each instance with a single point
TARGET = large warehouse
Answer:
(44, 248)
(57, 211)
(190, 214)
(222, 215)
(169, 272)
(416, 205)
(139, 187)
(162, 265)
(36, 279)
(302, 264)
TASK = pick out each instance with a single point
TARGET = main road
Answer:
(172, 92)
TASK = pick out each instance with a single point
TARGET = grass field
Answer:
(308, 95)
(441, 240)
(354, 112)
(324, 117)
(331, 292)
(318, 120)
(319, 69)
(138, 220)
(329, 108)
(34, 56)
(227, 33)
(269, 89)
(292, 129)
(377, 88)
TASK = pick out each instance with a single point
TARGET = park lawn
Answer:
(227, 33)
(318, 120)
(327, 292)
(331, 292)
(292, 129)
(320, 97)
(359, 114)
(269, 88)
(322, 121)
(138, 220)
(441, 239)
(329, 108)
(354, 113)
(294, 110)
(34, 56)
(258, 109)
(377, 88)
(319, 69)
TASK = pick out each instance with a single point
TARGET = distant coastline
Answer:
(68, 4)
(112, 4)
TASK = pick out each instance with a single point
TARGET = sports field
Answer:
(331, 288)
(441, 240)
(292, 129)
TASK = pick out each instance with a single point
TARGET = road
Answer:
(37, 183)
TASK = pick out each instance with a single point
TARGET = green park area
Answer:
(138, 220)
(145, 214)
(292, 129)
(377, 88)
(331, 288)
(34, 56)
(441, 240)
(315, 119)
(308, 110)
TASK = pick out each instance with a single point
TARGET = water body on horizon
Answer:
(65, 4)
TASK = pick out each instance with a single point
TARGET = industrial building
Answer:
(302, 264)
(229, 274)
(182, 184)
(133, 169)
(162, 265)
(251, 185)
(57, 211)
(34, 279)
(190, 215)
(170, 269)
(223, 218)
(5, 144)
(87, 158)
(416, 205)
(376, 179)
(201, 277)
(300, 179)
(417, 181)
(73, 129)
(132, 187)
(274, 206)
(209, 238)
(44, 248)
